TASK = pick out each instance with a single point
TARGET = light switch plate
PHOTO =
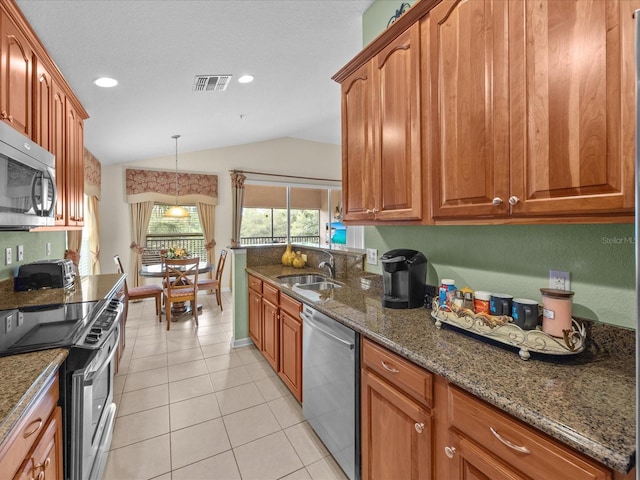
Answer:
(372, 256)
(8, 258)
(20, 253)
(48, 251)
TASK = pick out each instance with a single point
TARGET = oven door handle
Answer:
(91, 377)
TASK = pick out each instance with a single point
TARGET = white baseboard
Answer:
(241, 342)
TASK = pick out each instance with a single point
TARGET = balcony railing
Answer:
(267, 240)
(192, 242)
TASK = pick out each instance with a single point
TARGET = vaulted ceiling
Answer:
(156, 48)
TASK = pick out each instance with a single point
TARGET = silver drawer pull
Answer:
(419, 427)
(388, 368)
(508, 443)
(37, 423)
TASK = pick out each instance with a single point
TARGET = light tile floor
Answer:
(192, 407)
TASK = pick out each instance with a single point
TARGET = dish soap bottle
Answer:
(287, 256)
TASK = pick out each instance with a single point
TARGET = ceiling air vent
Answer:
(214, 83)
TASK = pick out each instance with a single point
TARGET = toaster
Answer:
(45, 274)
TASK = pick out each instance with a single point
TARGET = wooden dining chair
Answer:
(143, 291)
(181, 277)
(214, 283)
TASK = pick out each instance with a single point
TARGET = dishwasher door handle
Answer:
(309, 322)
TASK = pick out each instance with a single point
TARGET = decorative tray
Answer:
(503, 330)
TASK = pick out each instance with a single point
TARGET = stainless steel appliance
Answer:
(330, 390)
(404, 273)
(90, 330)
(45, 274)
(27, 182)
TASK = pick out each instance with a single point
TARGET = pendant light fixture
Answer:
(176, 211)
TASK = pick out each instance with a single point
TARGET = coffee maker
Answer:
(404, 274)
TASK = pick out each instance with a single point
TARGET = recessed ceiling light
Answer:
(106, 82)
(245, 79)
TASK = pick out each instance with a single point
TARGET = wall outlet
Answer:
(8, 323)
(559, 280)
(48, 249)
(8, 258)
(372, 256)
(20, 253)
(20, 318)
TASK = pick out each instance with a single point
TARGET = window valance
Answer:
(160, 186)
(92, 175)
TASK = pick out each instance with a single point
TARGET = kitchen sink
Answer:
(326, 285)
(296, 279)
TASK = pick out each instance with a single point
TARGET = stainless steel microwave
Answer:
(27, 182)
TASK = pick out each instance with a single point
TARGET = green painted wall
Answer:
(377, 16)
(34, 248)
(516, 259)
(240, 295)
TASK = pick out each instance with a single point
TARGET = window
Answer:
(308, 215)
(180, 232)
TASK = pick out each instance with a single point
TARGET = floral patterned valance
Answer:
(160, 186)
(92, 175)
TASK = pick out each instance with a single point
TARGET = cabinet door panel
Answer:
(58, 123)
(398, 127)
(469, 112)
(271, 333)
(572, 135)
(255, 318)
(43, 98)
(291, 353)
(358, 169)
(16, 70)
(392, 447)
(471, 462)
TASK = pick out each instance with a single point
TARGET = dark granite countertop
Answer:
(586, 401)
(22, 378)
(87, 288)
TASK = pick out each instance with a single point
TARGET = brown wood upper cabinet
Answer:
(16, 69)
(36, 100)
(382, 165)
(532, 111)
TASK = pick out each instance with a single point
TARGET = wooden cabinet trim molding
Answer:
(411, 16)
(13, 12)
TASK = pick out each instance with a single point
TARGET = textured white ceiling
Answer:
(155, 48)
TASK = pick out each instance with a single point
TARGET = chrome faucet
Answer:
(331, 265)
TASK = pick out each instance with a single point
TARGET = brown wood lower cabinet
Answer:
(396, 427)
(487, 443)
(33, 448)
(415, 424)
(45, 459)
(291, 345)
(276, 330)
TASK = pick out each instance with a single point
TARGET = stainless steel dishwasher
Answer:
(331, 386)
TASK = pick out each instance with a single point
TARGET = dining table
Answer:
(156, 270)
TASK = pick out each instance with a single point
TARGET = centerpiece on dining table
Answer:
(177, 253)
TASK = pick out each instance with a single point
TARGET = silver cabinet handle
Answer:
(497, 201)
(508, 443)
(375, 210)
(513, 200)
(450, 451)
(388, 368)
(419, 427)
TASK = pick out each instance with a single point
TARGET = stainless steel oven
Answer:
(27, 182)
(91, 332)
(91, 411)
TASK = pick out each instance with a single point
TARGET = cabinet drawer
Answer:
(25, 433)
(270, 293)
(291, 306)
(410, 378)
(255, 284)
(532, 452)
